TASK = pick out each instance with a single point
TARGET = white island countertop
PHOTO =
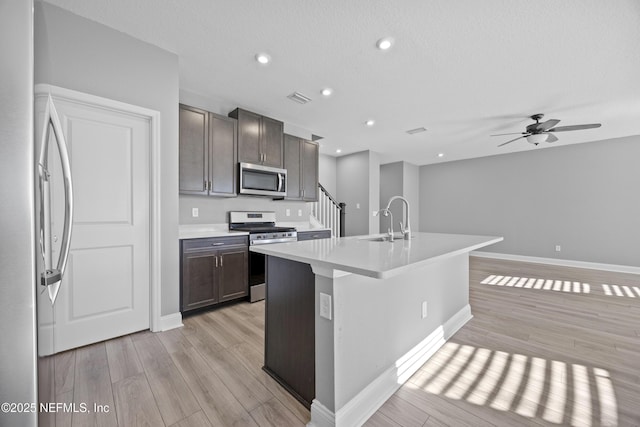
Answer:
(366, 256)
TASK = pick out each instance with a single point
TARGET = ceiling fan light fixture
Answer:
(537, 138)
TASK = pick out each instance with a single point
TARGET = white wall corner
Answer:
(362, 406)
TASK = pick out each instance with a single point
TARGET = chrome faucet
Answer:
(405, 228)
(387, 212)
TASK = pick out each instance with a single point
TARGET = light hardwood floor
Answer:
(547, 346)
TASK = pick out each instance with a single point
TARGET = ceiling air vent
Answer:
(299, 98)
(416, 130)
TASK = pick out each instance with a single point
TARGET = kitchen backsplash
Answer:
(214, 210)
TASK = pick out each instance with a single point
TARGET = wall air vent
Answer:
(416, 130)
(299, 98)
(316, 137)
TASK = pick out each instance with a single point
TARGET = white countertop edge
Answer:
(200, 231)
(327, 265)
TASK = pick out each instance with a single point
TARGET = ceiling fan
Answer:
(540, 131)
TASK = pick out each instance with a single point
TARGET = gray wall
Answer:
(400, 179)
(357, 181)
(584, 197)
(213, 210)
(79, 54)
(327, 173)
(391, 185)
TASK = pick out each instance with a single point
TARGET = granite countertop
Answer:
(368, 256)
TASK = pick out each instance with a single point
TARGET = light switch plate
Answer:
(299, 212)
(288, 212)
(325, 306)
(194, 212)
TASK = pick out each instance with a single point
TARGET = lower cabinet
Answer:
(313, 235)
(289, 355)
(213, 270)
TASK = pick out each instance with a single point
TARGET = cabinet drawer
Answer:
(213, 243)
(312, 235)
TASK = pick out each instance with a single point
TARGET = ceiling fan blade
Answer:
(574, 127)
(551, 137)
(512, 133)
(547, 125)
(515, 139)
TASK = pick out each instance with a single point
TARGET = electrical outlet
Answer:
(194, 212)
(325, 306)
(299, 212)
(424, 309)
(357, 205)
(558, 248)
(288, 212)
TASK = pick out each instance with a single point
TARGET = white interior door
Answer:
(105, 291)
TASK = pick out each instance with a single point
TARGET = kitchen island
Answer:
(380, 310)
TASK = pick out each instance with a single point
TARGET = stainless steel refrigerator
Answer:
(23, 374)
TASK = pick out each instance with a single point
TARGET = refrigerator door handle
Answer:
(51, 277)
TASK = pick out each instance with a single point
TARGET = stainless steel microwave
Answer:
(262, 180)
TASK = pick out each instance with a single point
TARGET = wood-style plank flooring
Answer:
(547, 346)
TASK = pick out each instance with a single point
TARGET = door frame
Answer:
(156, 322)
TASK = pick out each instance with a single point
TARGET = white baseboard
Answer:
(358, 410)
(170, 321)
(560, 262)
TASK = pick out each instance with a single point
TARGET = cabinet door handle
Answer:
(221, 258)
(216, 258)
(217, 244)
(210, 185)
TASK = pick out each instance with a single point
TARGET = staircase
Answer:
(329, 212)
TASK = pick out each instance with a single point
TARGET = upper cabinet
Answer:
(208, 160)
(301, 163)
(260, 138)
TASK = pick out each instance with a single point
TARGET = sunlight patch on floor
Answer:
(533, 387)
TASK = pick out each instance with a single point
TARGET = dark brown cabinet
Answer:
(313, 235)
(260, 138)
(208, 160)
(289, 355)
(301, 163)
(213, 270)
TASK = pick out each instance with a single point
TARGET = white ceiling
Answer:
(462, 69)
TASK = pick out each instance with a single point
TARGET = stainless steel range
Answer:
(262, 230)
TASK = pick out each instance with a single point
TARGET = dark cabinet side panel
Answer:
(249, 128)
(309, 170)
(194, 125)
(272, 133)
(290, 326)
(292, 165)
(223, 165)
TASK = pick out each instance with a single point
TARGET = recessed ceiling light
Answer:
(385, 43)
(440, 154)
(327, 91)
(338, 151)
(370, 122)
(263, 58)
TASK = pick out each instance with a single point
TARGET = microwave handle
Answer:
(280, 183)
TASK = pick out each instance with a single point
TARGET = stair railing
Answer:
(329, 212)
